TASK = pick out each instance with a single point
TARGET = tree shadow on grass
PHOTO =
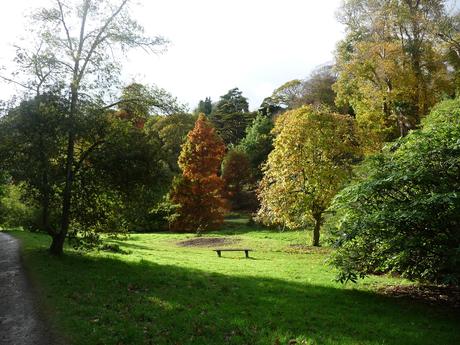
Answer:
(107, 301)
(129, 245)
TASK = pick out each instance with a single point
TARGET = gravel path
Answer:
(20, 321)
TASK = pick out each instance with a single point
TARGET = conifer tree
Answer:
(199, 191)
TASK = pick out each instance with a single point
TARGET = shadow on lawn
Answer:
(115, 302)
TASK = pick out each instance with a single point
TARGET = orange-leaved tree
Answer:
(199, 191)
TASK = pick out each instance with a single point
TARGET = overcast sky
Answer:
(216, 45)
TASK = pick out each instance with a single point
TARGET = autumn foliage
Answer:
(312, 158)
(199, 191)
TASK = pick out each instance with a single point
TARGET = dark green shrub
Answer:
(402, 212)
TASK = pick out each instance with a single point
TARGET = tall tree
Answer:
(78, 41)
(32, 142)
(257, 143)
(232, 102)
(449, 32)
(312, 158)
(125, 177)
(289, 95)
(204, 107)
(231, 116)
(199, 191)
(317, 88)
(138, 102)
(390, 68)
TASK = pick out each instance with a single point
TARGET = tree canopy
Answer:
(231, 116)
(391, 68)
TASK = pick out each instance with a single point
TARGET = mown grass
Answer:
(161, 293)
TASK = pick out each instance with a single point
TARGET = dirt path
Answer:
(20, 322)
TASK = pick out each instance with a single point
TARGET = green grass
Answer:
(161, 293)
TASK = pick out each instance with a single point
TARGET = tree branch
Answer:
(98, 40)
(69, 40)
(86, 154)
(17, 83)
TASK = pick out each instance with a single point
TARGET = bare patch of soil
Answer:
(208, 242)
(439, 295)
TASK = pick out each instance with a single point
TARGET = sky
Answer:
(216, 45)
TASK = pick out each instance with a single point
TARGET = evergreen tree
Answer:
(231, 116)
(204, 107)
(232, 102)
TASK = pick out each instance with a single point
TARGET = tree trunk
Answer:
(57, 245)
(316, 230)
(45, 211)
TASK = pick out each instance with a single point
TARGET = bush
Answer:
(402, 212)
(14, 212)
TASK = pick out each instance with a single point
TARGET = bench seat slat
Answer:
(233, 250)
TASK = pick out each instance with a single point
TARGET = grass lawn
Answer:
(162, 293)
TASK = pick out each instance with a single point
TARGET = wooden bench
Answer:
(246, 251)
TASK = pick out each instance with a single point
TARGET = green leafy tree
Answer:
(32, 141)
(75, 51)
(257, 143)
(402, 212)
(232, 102)
(123, 179)
(172, 131)
(311, 160)
(204, 107)
(121, 172)
(289, 95)
(231, 116)
(138, 102)
(316, 89)
(269, 107)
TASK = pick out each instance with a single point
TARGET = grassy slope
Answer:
(164, 294)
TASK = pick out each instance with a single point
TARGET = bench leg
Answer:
(218, 253)
(247, 253)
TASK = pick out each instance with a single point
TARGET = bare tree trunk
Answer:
(45, 190)
(316, 230)
(46, 210)
(57, 244)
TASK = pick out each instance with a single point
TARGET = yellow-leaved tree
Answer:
(312, 158)
(391, 68)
